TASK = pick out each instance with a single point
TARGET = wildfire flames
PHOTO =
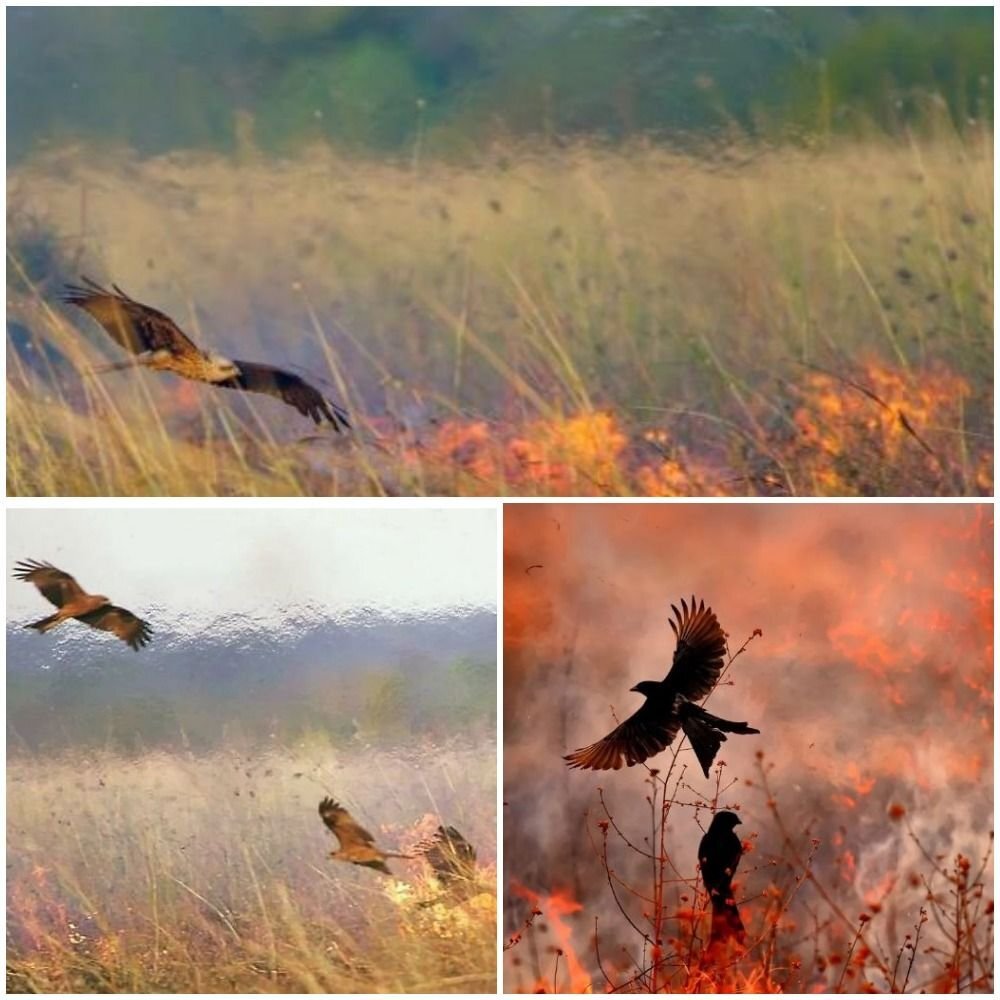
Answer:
(867, 797)
(879, 431)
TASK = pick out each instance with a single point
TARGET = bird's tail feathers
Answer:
(116, 366)
(706, 732)
(713, 720)
(44, 624)
(726, 922)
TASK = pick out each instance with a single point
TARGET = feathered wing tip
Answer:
(447, 841)
(696, 624)
(633, 741)
(143, 635)
(604, 755)
(25, 567)
(337, 415)
(44, 624)
(89, 288)
(328, 806)
(76, 295)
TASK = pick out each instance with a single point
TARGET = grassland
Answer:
(560, 319)
(172, 873)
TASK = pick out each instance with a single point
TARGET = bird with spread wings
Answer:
(450, 855)
(357, 845)
(158, 343)
(671, 703)
(95, 610)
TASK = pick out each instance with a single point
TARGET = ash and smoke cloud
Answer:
(872, 684)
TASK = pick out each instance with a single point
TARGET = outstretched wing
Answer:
(451, 856)
(136, 327)
(343, 825)
(290, 388)
(700, 652)
(54, 585)
(642, 735)
(121, 622)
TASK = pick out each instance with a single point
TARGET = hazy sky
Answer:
(261, 563)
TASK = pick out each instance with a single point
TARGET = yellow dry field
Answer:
(548, 320)
(171, 873)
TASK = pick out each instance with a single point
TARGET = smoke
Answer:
(871, 684)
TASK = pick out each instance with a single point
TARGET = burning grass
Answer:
(805, 932)
(866, 801)
(542, 322)
(175, 874)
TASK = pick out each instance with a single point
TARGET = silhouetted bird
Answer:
(95, 610)
(159, 343)
(719, 854)
(357, 845)
(670, 703)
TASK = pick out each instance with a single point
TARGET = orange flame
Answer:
(554, 907)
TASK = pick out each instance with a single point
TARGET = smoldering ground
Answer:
(871, 685)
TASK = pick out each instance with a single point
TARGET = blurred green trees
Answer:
(166, 78)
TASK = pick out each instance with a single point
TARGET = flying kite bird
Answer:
(73, 601)
(451, 856)
(357, 845)
(670, 703)
(158, 343)
(719, 854)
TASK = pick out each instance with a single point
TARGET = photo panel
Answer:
(251, 751)
(748, 748)
(500, 251)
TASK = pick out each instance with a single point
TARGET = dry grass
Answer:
(572, 320)
(209, 874)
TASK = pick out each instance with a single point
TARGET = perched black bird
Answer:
(670, 703)
(719, 854)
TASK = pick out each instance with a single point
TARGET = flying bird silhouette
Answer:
(670, 703)
(451, 856)
(357, 845)
(158, 343)
(73, 601)
(719, 855)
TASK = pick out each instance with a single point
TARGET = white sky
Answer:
(207, 563)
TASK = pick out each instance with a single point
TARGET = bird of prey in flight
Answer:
(73, 601)
(719, 854)
(671, 703)
(357, 845)
(451, 856)
(158, 343)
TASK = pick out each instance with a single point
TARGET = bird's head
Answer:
(726, 819)
(222, 369)
(648, 688)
